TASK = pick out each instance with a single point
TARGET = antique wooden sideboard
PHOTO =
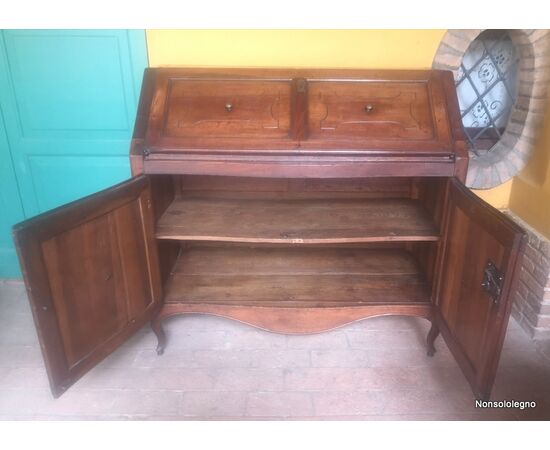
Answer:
(296, 201)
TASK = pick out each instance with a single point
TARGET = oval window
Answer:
(486, 84)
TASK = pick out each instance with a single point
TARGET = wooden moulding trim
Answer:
(136, 157)
(296, 320)
(253, 156)
(299, 109)
(290, 241)
(282, 74)
(80, 211)
(302, 170)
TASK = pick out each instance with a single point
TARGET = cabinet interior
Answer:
(297, 242)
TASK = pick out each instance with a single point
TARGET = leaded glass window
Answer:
(486, 85)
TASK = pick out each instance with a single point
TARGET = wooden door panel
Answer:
(92, 276)
(472, 321)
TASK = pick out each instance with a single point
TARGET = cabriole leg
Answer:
(156, 325)
(432, 335)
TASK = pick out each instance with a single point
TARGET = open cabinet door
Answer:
(480, 264)
(92, 276)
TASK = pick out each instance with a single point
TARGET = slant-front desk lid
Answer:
(260, 120)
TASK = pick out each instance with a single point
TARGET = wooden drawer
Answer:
(376, 115)
(223, 113)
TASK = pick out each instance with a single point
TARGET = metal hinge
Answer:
(493, 280)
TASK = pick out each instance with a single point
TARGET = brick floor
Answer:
(219, 369)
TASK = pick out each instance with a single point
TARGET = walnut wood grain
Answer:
(296, 277)
(288, 320)
(163, 191)
(189, 133)
(365, 110)
(299, 109)
(455, 122)
(218, 109)
(290, 110)
(293, 188)
(92, 275)
(298, 166)
(296, 221)
(472, 323)
(142, 121)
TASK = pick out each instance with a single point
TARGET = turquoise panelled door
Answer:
(69, 99)
(11, 210)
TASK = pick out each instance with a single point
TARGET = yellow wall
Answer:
(294, 48)
(391, 49)
(530, 196)
(499, 197)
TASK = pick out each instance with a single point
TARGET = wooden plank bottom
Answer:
(296, 277)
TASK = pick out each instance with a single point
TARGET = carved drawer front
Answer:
(227, 109)
(359, 110)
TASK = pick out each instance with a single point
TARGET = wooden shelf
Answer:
(292, 277)
(311, 221)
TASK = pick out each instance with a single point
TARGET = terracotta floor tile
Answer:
(280, 358)
(249, 380)
(336, 339)
(416, 401)
(217, 369)
(279, 404)
(206, 405)
(19, 356)
(413, 338)
(384, 356)
(335, 379)
(340, 358)
(151, 378)
(348, 403)
(25, 378)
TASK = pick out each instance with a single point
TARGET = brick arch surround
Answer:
(512, 152)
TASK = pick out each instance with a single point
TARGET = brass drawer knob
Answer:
(369, 108)
(228, 107)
